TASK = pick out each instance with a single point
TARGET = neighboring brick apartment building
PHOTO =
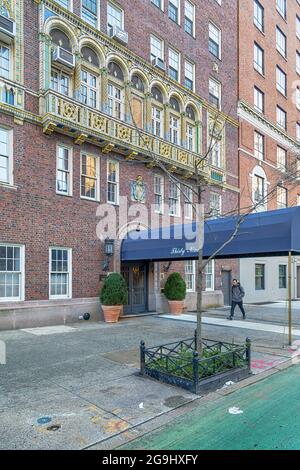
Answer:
(269, 111)
(86, 89)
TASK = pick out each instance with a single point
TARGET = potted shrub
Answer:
(113, 296)
(175, 291)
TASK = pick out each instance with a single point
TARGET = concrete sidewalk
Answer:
(77, 386)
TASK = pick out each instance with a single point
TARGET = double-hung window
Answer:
(88, 89)
(174, 6)
(258, 59)
(215, 205)
(64, 170)
(281, 42)
(281, 7)
(259, 145)
(89, 11)
(156, 121)
(60, 82)
(214, 44)
(259, 100)
(156, 48)
(281, 81)
(189, 18)
(11, 272)
(190, 275)
(174, 129)
(5, 156)
(89, 177)
(174, 198)
(189, 72)
(190, 137)
(64, 3)
(281, 118)
(159, 193)
(113, 182)
(188, 202)
(60, 273)
(281, 158)
(210, 276)
(174, 65)
(215, 93)
(115, 17)
(4, 61)
(258, 15)
(114, 101)
(282, 197)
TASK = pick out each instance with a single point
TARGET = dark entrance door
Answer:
(136, 279)
(226, 287)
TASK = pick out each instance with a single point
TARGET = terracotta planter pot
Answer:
(176, 307)
(111, 313)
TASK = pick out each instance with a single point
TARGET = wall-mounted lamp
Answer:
(109, 246)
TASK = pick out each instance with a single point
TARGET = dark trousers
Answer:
(240, 304)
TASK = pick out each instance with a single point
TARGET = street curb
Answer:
(153, 424)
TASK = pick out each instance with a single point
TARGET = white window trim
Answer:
(10, 181)
(179, 13)
(162, 195)
(97, 198)
(211, 289)
(98, 16)
(178, 214)
(70, 192)
(162, 56)
(194, 17)
(22, 271)
(117, 7)
(187, 217)
(220, 39)
(194, 278)
(117, 182)
(70, 6)
(70, 271)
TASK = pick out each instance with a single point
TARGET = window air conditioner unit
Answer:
(7, 29)
(157, 62)
(119, 34)
(63, 57)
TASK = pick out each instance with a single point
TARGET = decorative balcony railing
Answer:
(86, 124)
(11, 94)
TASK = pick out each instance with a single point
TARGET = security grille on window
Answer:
(174, 199)
(174, 10)
(4, 156)
(89, 177)
(63, 170)
(90, 11)
(4, 61)
(214, 40)
(112, 182)
(11, 272)
(88, 89)
(60, 266)
(190, 275)
(159, 193)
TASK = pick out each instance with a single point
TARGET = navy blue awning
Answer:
(272, 233)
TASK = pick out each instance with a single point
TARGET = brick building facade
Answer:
(89, 92)
(269, 134)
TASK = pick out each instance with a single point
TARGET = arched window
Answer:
(115, 91)
(60, 80)
(157, 124)
(174, 121)
(259, 189)
(89, 77)
(137, 100)
(190, 129)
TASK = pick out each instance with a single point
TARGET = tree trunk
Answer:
(199, 282)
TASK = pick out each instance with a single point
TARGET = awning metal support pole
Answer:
(290, 297)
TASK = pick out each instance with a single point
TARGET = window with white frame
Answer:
(280, 41)
(298, 62)
(258, 15)
(64, 3)
(5, 156)
(259, 59)
(159, 193)
(215, 93)
(215, 152)
(115, 104)
(157, 121)
(190, 137)
(189, 75)
(89, 11)
(259, 145)
(282, 197)
(174, 199)
(259, 100)
(60, 273)
(210, 276)
(89, 89)
(259, 190)
(174, 9)
(281, 117)
(174, 129)
(188, 202)
(281, 81)
(297, 92)
(174, 64)
(281, 158)
(281, 7)
(156, 47)
(190, 275)
(11, 272)
(189, 18)
(60, 82)
(115, 16)
(113, 182)
(298, 27)
(89, 185)
(214, 44)
(4, 61)
(64, 170)
(158, 3)
(215, 205)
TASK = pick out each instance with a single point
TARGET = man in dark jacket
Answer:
(238, 294)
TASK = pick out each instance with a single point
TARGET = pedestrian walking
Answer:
(238, 293)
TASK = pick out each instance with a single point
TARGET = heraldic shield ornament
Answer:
(138, 190)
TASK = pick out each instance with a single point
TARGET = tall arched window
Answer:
(157, 112)
(89, 94)
(115, 91)
(137, 100)
(174, 121)
(190, 129)
(60, 78)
